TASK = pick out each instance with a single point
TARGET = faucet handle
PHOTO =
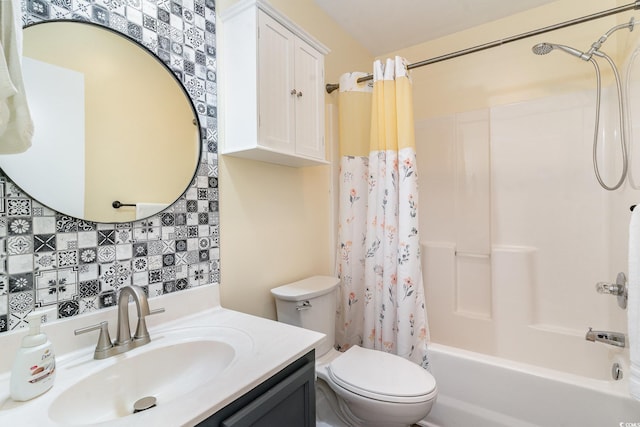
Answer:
(618, 289)
(104, 340)
(609, 288)
(142, 334)
(156, 311)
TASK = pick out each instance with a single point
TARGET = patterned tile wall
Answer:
(48, 259)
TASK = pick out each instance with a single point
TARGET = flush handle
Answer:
(304, 305)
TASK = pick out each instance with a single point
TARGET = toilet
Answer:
(372, 388)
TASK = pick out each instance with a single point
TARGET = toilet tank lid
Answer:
(310, 287)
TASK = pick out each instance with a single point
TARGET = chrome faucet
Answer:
(612, 338)
(124, 341)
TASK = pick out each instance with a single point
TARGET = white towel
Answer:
(633, 305)
(145, 210)
(7, 90)
(16, 126)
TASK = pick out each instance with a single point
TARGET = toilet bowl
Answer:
(376, 388)
(372, 388)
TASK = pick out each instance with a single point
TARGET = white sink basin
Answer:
(166, 371)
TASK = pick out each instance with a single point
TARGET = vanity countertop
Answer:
(268, 347)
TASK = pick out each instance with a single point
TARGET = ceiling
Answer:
(383, 26)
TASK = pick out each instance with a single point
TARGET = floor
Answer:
(325, 415)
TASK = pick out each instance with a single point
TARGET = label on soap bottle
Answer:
(42, 371)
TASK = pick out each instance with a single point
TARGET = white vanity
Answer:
(205, 365)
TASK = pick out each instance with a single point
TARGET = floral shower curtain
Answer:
(381, 298)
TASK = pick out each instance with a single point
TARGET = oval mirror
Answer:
(112, 123)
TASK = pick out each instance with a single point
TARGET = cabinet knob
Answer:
(293, 92)
(299, 94)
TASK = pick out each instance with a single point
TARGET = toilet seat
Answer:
(381, 376)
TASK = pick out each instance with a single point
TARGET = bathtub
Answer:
(476, 390)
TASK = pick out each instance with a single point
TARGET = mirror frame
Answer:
(196, 119)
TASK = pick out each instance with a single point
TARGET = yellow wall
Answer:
(276, 221)
(511, 73)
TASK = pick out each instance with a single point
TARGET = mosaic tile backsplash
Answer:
(48, 259)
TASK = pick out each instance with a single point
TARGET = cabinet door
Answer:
(309, 102)
(289, 403)
(276, 125)
(286, 399)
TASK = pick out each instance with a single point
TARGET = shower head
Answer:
(545, 48)
(542, 48)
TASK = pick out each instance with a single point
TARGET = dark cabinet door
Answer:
(286, 404)
(285, 399)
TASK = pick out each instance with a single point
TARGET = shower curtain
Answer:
(381, 298)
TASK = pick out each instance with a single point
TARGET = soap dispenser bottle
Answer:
(34, 367)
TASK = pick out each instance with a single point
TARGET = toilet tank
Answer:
(311, 304)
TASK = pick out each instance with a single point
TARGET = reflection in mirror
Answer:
(111, 123)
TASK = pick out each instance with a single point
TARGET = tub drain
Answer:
(143, 404)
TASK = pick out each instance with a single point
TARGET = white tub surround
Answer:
(270, 346)
(517, 232)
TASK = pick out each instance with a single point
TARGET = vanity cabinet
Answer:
(272, 87)
(285, 399)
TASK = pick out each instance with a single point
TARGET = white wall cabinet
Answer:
(272, 87)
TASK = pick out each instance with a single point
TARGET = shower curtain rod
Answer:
(330, 87)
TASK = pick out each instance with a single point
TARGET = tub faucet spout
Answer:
(612, 338)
